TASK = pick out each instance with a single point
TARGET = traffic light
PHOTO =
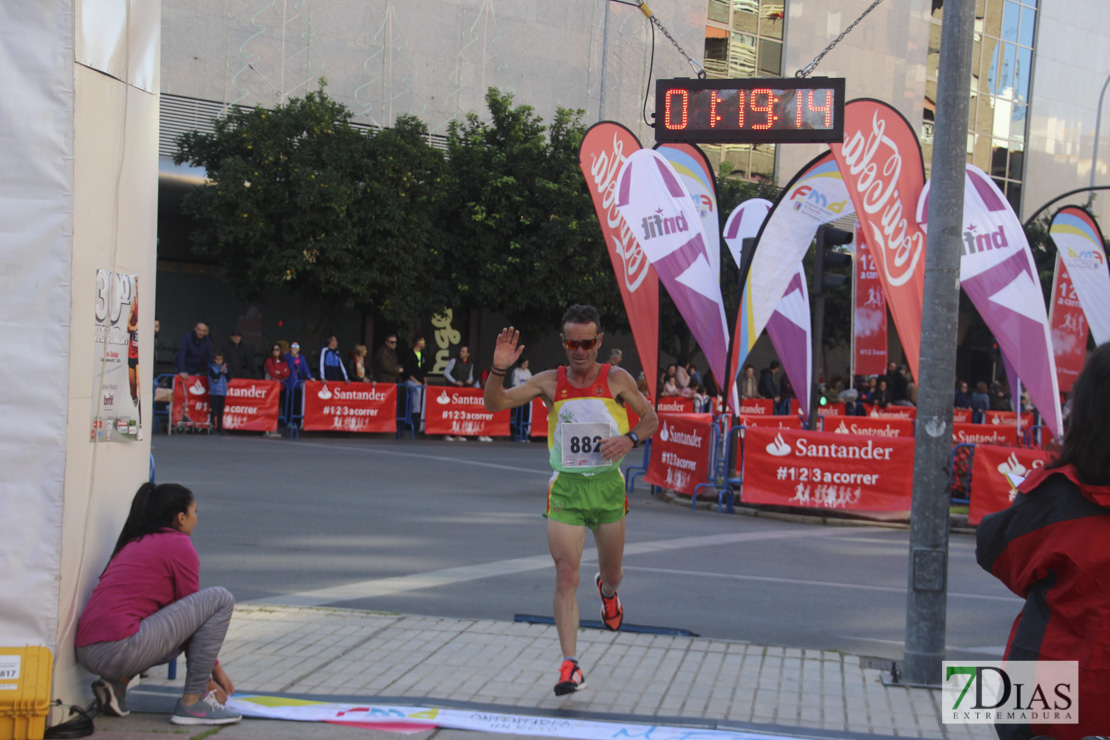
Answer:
(828, 257)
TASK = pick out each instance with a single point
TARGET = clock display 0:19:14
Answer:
(755, 109)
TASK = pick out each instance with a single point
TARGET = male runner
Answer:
(587, 434)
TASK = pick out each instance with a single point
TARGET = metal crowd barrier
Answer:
(717, 479)
(632, 471)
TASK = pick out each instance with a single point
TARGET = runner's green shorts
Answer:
(590, 500)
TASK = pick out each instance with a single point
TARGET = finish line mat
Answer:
(419, 719)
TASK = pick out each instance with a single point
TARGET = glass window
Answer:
(1028, 25)
(1010, 16)
(981, 156)
(718, 11)
(1000, 158)
(716, 52)
(1018, 120)
(1017, 164)
(988, 66)
(1024, 65)
(742, 56)
(745, 16)
(1013, 194)
(1006, 75)
(770, 19)
(770, 58)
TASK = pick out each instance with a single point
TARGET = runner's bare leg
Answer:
(566, 542)
(610, 553)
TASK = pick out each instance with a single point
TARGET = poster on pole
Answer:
(116, 415)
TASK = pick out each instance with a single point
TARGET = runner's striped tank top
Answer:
(579, 420)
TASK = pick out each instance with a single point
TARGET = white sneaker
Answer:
(448, 438)
(460, 438)
(485, 439)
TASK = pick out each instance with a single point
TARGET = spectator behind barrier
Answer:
(963, 398)
(460, 371)
(275, 366)
(217, 392)
(240, 362)
(521, 374)
(194, 352)
(331, 364)
(298, 366)
(387, 367)
(357, 368)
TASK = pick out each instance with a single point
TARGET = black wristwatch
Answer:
(632, 436)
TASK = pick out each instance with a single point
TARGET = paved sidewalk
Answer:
(372, 657)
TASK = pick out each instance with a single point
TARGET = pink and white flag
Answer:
(999, 276)
(789, 326)
(658, 209)
(1079, 243)
(816, 195)
(1068, 326)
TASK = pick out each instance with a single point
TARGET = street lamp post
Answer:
(1098, 125)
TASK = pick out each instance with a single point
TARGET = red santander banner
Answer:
(825, 470)
(349, 407)
(1006, 418)
(539, 419)
(865, 426)
(768, 420)
(604, 149)
(869, 317)
(962, 416)
(880, 161)
(895, 412)
(675, 405)
(680, 451)
(190, 400)
(252, 405)
(831, 409)
(985, 434)
(990, 490)
(461, 412)
(749, 406)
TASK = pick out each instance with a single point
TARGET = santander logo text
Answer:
(875, 166)
(459, 400)
(678, 437)
(604, 170)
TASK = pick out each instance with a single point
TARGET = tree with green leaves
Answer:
(300, 199)
(524, 238)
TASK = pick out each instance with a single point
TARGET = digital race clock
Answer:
(750, 111)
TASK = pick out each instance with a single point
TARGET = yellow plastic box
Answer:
(24, 691)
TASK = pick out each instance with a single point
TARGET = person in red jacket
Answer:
(1050, 547)
(148, 608)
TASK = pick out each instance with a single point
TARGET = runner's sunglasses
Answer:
(586, 344)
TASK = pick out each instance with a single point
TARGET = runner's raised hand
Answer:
(506, 352)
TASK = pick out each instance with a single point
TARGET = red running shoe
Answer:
(570, 679)
(611, 612)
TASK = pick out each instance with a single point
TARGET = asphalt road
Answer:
(435, 528)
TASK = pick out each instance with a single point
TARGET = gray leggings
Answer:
(200, 619)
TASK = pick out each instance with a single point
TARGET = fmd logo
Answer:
(1015, 692)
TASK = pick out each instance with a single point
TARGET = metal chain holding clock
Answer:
(817, 59)
(698, 69)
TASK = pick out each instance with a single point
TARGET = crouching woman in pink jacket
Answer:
(148, 608)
